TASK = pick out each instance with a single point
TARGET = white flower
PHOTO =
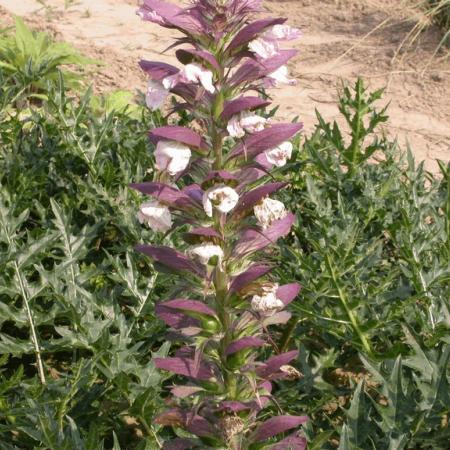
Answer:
(156, 94)
(195, 73)
(171, 81)
(279, 155)
(151, 16)
(267, 303)
(191, 73)
(245, 121)
(223, 198)
(267, 46)
(156, 216)
(268, 210)
(281, 76)
(264, 48)
(282, 33)
(204, 252)
(172, 156)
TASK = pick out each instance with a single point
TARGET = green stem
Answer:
(356, 133)
(149, 430)
(220, 284)
(355, 142)
(217, 149)
(34, 337)
(342, 296)
(221, 277)
(72, 291)
(26, 301)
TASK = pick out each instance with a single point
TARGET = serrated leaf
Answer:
(358, 422)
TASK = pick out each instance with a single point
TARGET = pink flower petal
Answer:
(178, 134)
(157, 70)
(277, 425)
(253, 273)
(244, 343)
(250, 31)
(234, 107)
(269, 138)
(253, 240)
(288, 292)
(251, 198)
(274, 363)
(171, 258)
(186, 367)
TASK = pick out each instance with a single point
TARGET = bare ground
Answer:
(343, 39)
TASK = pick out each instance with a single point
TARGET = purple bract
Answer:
(213, 177)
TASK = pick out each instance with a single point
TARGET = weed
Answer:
(371, 250)
(31, 59)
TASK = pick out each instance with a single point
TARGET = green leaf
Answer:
(358, 419)
(25, 41)
(116, 445)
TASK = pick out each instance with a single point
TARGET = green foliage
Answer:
(356, 109)
(31, 59)
(371, 249)
(120, 101)
(76, 324)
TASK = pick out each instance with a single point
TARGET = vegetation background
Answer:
(371, 248)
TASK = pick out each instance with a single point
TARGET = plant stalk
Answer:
(34, 337)
(221, 277)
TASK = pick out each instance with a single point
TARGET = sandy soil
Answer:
(343, 39)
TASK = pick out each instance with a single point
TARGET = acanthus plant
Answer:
(214, 180)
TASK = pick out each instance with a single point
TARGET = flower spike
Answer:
(213, 178)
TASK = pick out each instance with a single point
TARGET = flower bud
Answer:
(221, 197)
(204, 252)
(279, 155)
(172, 156)
(268, 210)
(156, 216)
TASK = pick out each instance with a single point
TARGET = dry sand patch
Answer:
(343, 39)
